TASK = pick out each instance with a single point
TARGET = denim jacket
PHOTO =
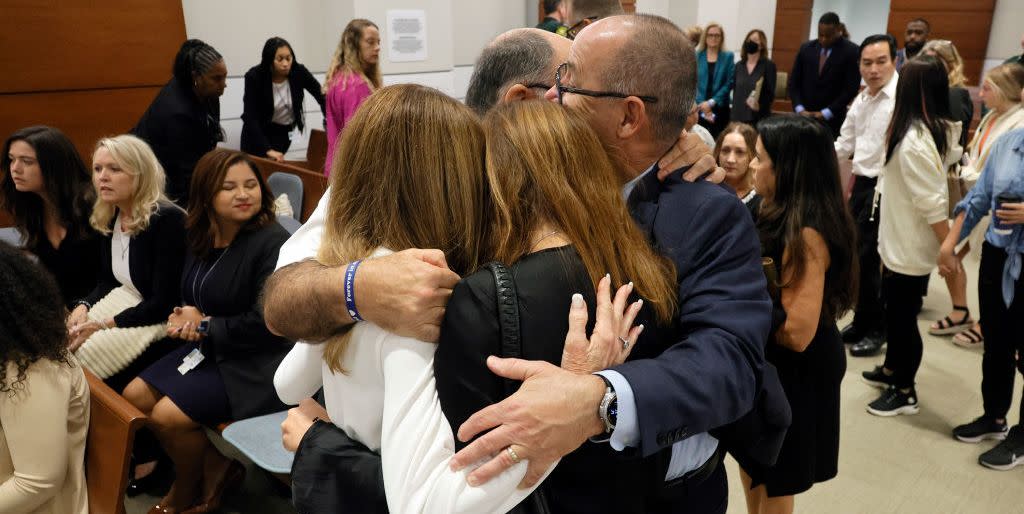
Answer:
(1003, 173)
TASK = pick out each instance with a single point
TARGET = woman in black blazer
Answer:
(272, 104)
(755, 80)
(142, 250)
(223, 366)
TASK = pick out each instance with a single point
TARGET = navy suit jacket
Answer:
(713, 374)
(836, 86)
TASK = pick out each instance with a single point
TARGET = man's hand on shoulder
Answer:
(691, 151)
(406, 292)
(553, 413)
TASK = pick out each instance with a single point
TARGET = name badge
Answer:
(190, 361)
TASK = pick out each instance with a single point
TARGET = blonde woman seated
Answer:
(44, 398)
(140, 263)
(222, 368)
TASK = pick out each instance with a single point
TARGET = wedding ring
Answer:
(624, 341)
(512, 455)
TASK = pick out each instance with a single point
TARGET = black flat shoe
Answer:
(157, 483)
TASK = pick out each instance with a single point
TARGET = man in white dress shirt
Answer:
(863, 137)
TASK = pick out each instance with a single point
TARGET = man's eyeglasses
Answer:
(537, 85)
(575, 29)
(586, 92)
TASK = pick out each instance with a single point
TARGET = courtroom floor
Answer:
(901, 465)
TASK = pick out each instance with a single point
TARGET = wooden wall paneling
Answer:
(84, 44)
(792, 23)
(942, 5)
(84, 116)
(966, 24)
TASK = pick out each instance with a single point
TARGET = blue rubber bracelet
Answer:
(350, 296)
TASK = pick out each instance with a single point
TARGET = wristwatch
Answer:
(608, 411)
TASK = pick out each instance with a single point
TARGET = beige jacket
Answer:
(43, 428)
(916, 196)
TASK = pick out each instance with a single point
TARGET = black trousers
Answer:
(1003, 340)
(868, 317)
(277, 136)
(903, 296)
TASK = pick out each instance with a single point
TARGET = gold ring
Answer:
(512, 455)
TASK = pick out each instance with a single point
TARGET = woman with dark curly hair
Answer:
(44, 398)
(48, 189)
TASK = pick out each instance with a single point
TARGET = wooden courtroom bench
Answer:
(112, 426)
(314, 183)
(316, 152)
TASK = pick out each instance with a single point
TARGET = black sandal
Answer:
(947, 326)
(970, 338)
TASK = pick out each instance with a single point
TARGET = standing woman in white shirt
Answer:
(922, 141)
(422, 186)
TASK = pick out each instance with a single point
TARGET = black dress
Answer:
(811, 379)
(180, 128)
(594, 478)
(235, 380)
(962, 108)
(745, 83)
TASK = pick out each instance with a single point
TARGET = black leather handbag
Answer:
(512, 347)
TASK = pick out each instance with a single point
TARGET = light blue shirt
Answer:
(1003, 173)
(688, 454)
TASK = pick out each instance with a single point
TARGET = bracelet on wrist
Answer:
(87, 305)
(350, 295)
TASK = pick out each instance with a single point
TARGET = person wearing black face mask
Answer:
(755, 80)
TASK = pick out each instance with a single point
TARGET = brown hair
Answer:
(408, 173)
(749, 134)
(763, 51)
(703, 45)
(348, 57)
(1007, 79)
(207, 181)
(546, 164)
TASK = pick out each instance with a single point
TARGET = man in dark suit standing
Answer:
(825, 76)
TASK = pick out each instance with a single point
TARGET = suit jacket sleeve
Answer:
(255, 141)
(167, 244)
(767, 88)
(850, 78)
(246, 331)
(309, 83)
(709, 378)
(796, 76)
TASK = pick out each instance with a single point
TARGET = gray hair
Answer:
(657, 60)
(522, 57)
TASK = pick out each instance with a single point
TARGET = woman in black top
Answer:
(142, 250)
(806, 229)
(755, 80)
(47, 188)
(272, 104)
(183, 122)
(960, 104)
(233, 243)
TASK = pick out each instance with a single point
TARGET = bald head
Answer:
(644, 55)
(525, 59)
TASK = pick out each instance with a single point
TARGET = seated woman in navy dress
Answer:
(224, 367)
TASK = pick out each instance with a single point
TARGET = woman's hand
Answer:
(275, 155)
(78, 316)
(81, 332)
(752, 103)
(1011, 214)
(295, 426)
(705, 107)
(183, 322)
(614, 334)
(949, 262)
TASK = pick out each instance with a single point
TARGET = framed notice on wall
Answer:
(407, 35)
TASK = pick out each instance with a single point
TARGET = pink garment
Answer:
(343, 98)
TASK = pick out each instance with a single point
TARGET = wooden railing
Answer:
(314, 183)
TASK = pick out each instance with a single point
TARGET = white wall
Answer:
(737, 17)
(456, 32)
(862, 17)
(1007, 32)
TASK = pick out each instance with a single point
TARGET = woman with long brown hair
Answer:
(354, 74)
(221, 369)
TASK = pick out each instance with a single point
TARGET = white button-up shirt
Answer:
(863, 132)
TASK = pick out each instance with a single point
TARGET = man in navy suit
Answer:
(825, 76)
(711, 375)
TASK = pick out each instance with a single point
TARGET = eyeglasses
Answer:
(713, 34)
(538, 85)
(587, 92)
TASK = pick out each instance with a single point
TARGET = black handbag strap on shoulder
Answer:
(512, 347)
